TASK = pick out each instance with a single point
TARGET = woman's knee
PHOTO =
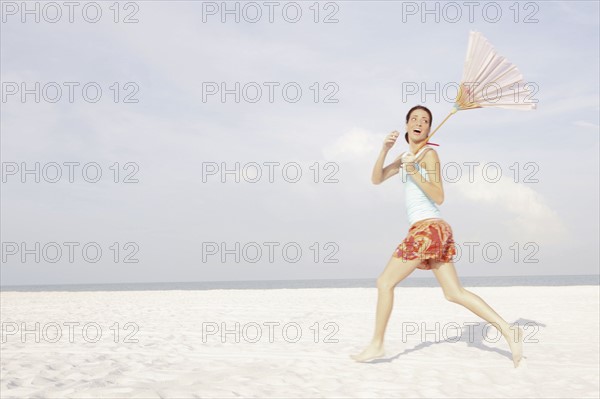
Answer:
(385, 283)
(455, 295)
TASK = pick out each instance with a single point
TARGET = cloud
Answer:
(586, 124)
(518, 207)
(356, 145)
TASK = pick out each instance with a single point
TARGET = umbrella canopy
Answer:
(488, 80)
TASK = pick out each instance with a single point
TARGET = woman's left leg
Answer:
(455, 292)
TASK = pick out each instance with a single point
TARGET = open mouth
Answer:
(417, 131)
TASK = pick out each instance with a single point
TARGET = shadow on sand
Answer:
(473, 336)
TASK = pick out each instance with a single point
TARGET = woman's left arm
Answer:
(433, 186)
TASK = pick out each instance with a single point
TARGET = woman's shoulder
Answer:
(427, 152)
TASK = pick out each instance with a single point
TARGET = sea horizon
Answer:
(468, 281)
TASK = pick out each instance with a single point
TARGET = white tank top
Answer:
(418, 205)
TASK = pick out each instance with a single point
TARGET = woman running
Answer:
(429, 244)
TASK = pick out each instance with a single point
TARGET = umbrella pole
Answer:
(436, 129)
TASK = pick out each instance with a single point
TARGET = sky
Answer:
(124, 168)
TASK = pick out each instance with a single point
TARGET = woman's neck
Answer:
(414, 147)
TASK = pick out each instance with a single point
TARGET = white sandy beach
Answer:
(175, 358)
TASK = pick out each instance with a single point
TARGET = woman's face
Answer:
(418, 125)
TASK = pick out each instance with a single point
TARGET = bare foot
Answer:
(515, 342)
(372, 352)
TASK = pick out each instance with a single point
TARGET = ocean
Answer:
(480, 281)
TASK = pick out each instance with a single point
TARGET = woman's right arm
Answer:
(381, 174)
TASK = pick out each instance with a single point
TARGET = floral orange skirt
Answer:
(428, 240)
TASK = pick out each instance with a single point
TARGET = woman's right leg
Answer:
(396, 270)
(455, 292)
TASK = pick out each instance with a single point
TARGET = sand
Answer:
(295, 343)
